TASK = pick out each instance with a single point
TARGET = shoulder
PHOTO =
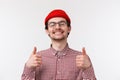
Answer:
(73, 51)
(41, 52)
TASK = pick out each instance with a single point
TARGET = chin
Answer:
(58, 39)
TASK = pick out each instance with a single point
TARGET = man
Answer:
(59, 62)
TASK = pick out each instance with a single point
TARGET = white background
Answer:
(95, 25)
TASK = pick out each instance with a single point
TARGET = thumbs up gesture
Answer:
(34, 60)
(82, 60)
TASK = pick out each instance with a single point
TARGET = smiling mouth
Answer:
(57, 33)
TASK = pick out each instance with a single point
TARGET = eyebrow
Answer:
(58, 21)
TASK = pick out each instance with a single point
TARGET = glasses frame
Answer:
(60, 23)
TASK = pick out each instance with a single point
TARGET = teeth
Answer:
(58, 32)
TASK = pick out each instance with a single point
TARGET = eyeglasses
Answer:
(60, 23)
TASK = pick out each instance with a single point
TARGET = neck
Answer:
(59, 45)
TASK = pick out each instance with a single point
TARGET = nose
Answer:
(57, 26)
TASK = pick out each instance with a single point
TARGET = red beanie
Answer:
(57, 13)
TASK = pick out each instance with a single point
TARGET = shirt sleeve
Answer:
(88, 74)
(28, 74)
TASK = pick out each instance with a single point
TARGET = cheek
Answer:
(49, 31)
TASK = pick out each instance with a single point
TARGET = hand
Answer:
(34, 60)
(83, 61)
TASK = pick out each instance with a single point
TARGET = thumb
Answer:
(34, 51)
(84, 51)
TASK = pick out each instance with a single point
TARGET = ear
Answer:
(47, 31)
(69, 29)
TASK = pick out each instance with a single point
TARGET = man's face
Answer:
(57, 28)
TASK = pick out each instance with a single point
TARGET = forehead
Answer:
(56, 19)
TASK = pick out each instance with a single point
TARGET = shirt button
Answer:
(58, 59)
(58, 72)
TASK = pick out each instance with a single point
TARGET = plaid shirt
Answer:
(58, 66)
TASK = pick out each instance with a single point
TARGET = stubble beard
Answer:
(57, 39)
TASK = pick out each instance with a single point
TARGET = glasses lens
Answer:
(60, 23)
